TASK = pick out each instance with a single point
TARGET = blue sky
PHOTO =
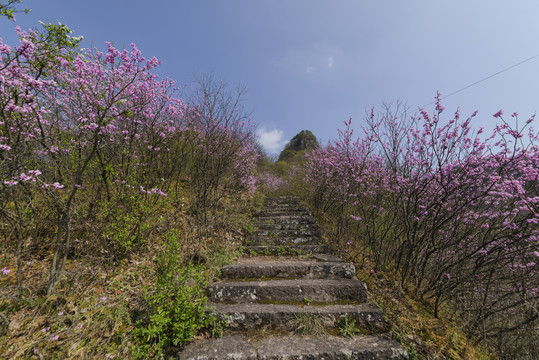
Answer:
(311, 64)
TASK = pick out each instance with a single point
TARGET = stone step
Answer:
(298, 207)
(280, 200)
(264, 267)
(277, 204)
(262, 218)
(295, 347)
(293, 206)
(285, 233)
(272, 241)
(283, 212)
(275, 227)
(287, 249)
(282, 220)
(296, 290)
(264, 317)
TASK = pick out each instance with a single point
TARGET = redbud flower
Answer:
(57, 185)
(24, 177)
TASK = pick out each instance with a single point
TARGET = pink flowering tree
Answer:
(91, 137)
(23, 78)
(64, 112)
(454, 213)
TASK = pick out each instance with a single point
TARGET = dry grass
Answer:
(93, 311)
(413, 324)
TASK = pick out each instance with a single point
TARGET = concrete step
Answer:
(276, 241)
(286, 233)
(265, 317)
(281, 213)
(295, 347)
(277, 205)
(296, 290)
(282, 220)
(275, 227)
(285, 210)
(286, 249)
(264, 267)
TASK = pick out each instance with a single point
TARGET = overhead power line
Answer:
(486, 78)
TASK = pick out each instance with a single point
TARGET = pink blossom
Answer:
(24, 177)
(34, 172)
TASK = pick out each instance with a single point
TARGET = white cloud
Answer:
(272, 141)
(309, 69)
(331, 62)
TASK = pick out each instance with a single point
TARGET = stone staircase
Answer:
(288, 288)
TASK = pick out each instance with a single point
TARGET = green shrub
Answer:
(176, 305)
(126, 223)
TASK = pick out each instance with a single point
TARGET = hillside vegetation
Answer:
(118, 199)
(121, 197)
(442, 222)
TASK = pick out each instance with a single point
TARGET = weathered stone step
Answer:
(266, 240)
(289, 204)
(281, 213)
(284, 217)
(286, 209)
(274, 227)
(297, 290)
(266, 220)
(260, 317)
(287, 249)
(285, 233)
(262, 267)
(296, 348)
(294, 206)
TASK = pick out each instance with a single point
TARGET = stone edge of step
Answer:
(295, 347)
(256, 317)
(288, 269)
